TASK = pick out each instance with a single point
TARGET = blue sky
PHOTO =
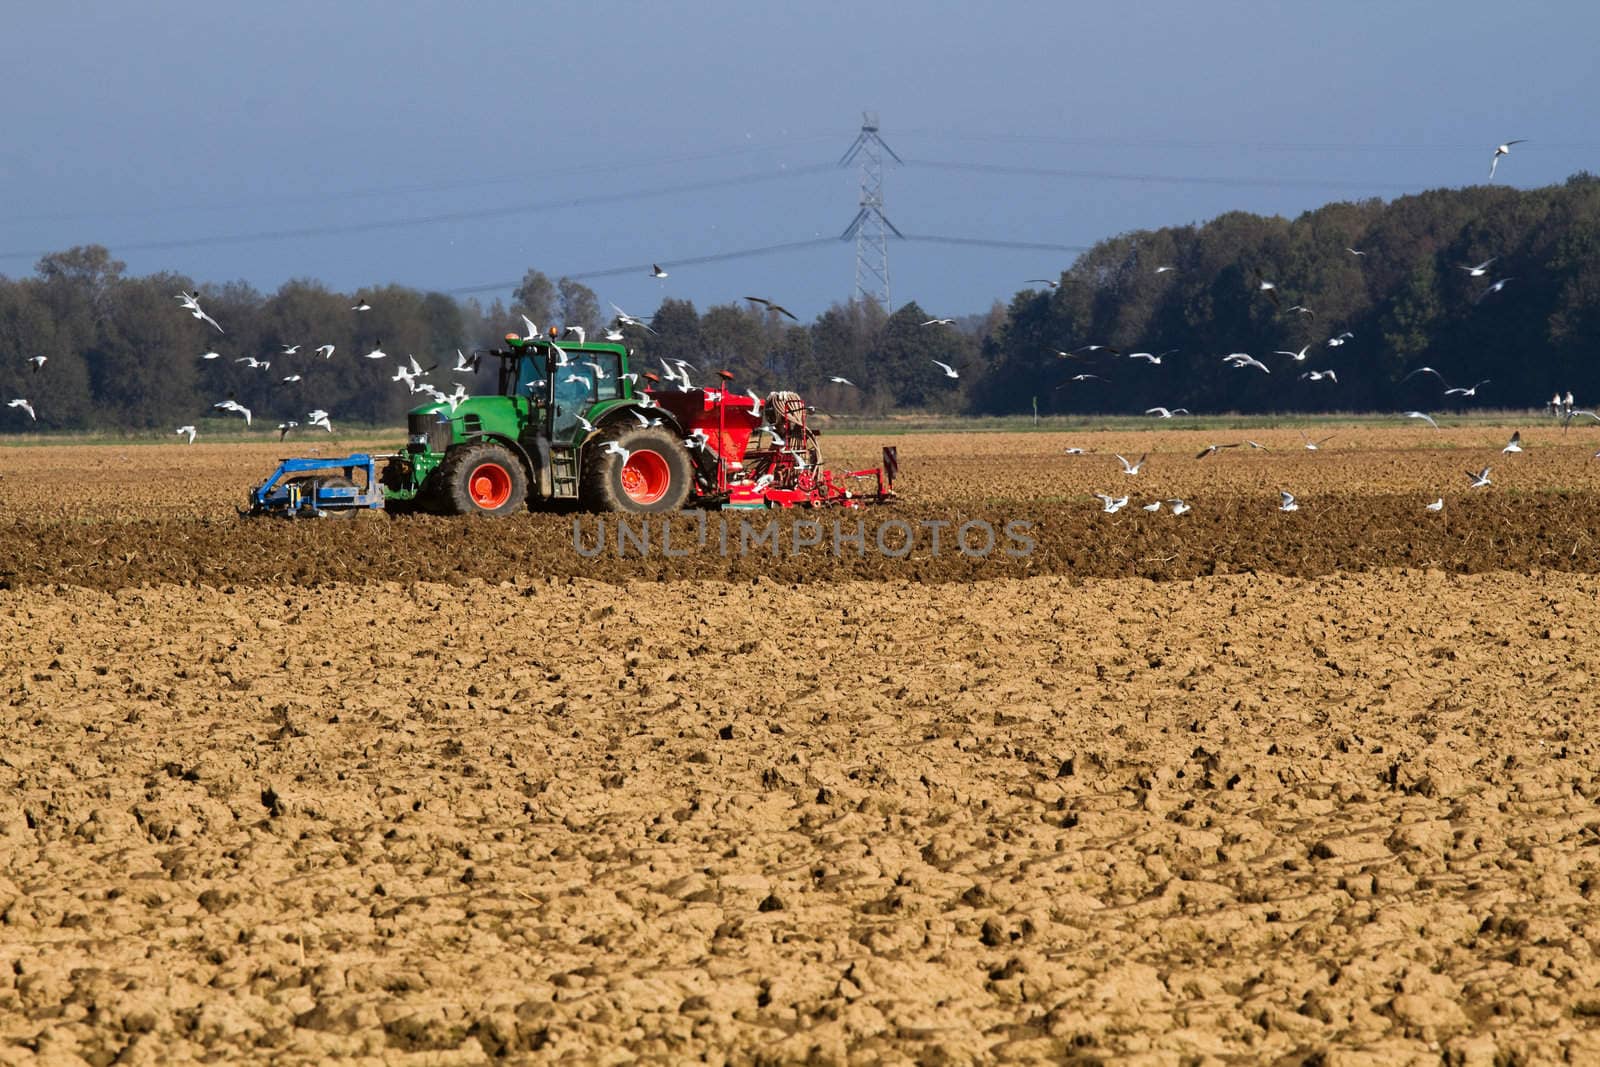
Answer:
(453, 146)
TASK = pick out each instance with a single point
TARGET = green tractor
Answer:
(567, 422)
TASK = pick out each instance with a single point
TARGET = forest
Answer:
(1485, 284)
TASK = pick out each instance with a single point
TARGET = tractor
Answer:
(573, 425)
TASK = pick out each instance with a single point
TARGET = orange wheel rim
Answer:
(646, 477)
(489, 485)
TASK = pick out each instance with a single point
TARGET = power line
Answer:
(1160, 179)
(1270, 146)
(451, 216)
(520, 178)
(767, 250)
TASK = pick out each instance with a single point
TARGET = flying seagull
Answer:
(1111, 505)
(842, 381)
(1270, 288)
(1424, 416)
(233, 405)
(617, 450)
(949, 371)
(770, 306)
(656, 271)
(1426, 370)
(1298, 357)
(1355, 252)
(1495, 288)
(1166, 413)
(1513, 445)
(1480, 479)
(1209, 449)
(290, 350)
(578, 330)
(1163, 270)
(1131, 468)
(1244, 359)
(1503, 150)
(1042, 281)
(1480, 270)
(191, 303)
(21, 402)
(1312, 446)
(377, 352)
(1178, 506)
(1335, 342)
(1302, 309)
(1319, 375)
(1472, 391)
(186, 430)
(38, 362)
(361, 305)
(940, 322)
(326, 351)
(1286, 501)
(533, 331)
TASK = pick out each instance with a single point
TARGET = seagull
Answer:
(1302, 309)
(1087, 378)
(1252, 444)
(285, 427)
(211, 355)
(1515, 444)
(1503, 150)
(628, 320)
(1041, 281)
(1480, 479)
(1424, 416)
(1354, 252)
(1270, 288)
(1154, 505)
(585, 424)
(779, 308)
(1437, 505)
(233, 405)
(1318, 375)
(533, 331)
(191, 304)
(455, 398)
(326, 351)
(1209, 449)
(599, 371)
(1131, 468)
(1480, 270)
(617, 450)
(1178, 506)
(292, 378)
(940, 322)
(1074, 451)
(1151, 357)
(465, 365)
(576, 330)
(21, 402)
(569, 379)
(842, 381)
(949, 371)
(186, 430)
(1425, 370)
(253, 363)
(1286, 501)
(1098, 348)
(561, 354)
(320, 418)
(377, 352)
(656, 271)
(1163, 270)
(290, 350)
(1112, 505)
(1165, 413)
(1298, 357)
(361, 305)
(614, 335)
(38, 362)
(1495, 288)
(1243, 359)
(1473, 391)
(1312, 446)
(1335, 342)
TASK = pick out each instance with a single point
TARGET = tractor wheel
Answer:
(655, 477)
(309, 483)
(482, 479)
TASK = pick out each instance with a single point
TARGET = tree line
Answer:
(1387, 279)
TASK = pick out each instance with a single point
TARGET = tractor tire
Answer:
(656, 478)
(482, 479)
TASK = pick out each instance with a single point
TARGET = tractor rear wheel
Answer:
(655, 476)
(482, 479)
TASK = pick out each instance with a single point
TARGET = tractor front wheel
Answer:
(483, 479)
(653, 476)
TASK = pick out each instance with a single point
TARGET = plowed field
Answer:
(1233, 786)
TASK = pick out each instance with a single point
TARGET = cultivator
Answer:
(568, 424)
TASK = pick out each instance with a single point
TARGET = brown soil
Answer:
(339, 797)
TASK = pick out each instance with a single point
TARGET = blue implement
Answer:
(318, 488)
